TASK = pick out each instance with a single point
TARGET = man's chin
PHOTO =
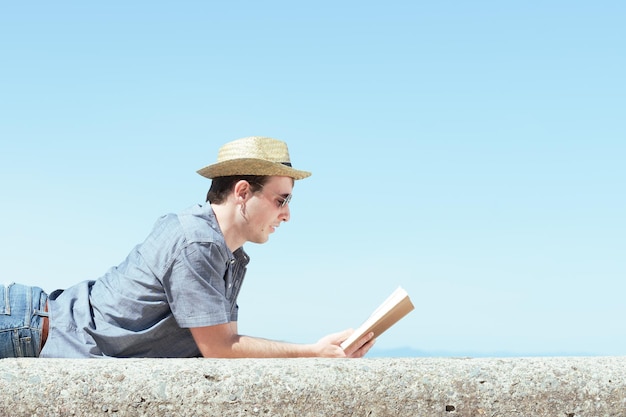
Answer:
(261, 240)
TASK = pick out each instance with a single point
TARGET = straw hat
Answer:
(253, 155)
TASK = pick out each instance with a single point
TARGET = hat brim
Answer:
(251, 166)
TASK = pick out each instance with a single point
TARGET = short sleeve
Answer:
(196, 286)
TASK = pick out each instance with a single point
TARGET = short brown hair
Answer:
(222, 186)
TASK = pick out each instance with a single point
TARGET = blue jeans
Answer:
(22, 309)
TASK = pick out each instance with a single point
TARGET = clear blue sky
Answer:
(470, 152)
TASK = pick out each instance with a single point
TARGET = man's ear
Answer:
(242, 190)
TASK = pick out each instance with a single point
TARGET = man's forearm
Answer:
(222, 341)
(254, 347)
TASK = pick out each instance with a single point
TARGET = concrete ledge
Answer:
(560, 387)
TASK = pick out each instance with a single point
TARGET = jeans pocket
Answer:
(26, 344)
(20, 322)
(17, 343)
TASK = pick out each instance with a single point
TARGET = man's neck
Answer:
(226, 219)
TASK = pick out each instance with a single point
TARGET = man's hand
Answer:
(329, 346)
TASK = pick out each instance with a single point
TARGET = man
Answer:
(175, 294)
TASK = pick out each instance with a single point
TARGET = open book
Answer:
(396, 306)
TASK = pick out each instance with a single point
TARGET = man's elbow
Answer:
(212, 344)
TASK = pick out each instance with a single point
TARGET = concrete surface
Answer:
(450, 387)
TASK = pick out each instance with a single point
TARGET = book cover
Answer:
(394, 308)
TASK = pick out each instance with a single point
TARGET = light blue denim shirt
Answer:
(182, 276)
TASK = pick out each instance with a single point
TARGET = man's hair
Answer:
(222, 186)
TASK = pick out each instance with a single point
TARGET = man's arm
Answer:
(223, 341)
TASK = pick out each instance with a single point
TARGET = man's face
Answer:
(267, 208)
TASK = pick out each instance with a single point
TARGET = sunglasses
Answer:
(283, 199)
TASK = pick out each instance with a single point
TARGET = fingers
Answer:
(358, 350)
(362, 347)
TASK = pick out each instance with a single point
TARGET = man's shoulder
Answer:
(199, 225)
(176, 232)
